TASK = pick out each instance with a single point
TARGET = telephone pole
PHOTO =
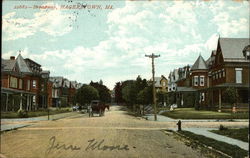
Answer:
(152, 56)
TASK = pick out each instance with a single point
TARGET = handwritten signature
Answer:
(95, 145)
(92, 145)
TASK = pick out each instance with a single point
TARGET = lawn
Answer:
(231, 150)
(35, 113)
(240, 133)
(191, 113)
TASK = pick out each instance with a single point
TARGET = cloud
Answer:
(179, 31)
(52, 22)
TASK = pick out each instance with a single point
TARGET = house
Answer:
(20, 87)
(161, 84)
(184, 91)
(228, 67)
(63, 91)
(172, 78)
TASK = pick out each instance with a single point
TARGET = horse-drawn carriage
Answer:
(97, 107)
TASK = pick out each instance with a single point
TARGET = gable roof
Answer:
(199, 64)
(22, 66)
(232, 48)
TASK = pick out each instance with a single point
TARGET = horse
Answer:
(103, 107)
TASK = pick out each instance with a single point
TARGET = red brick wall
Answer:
(199, 73)
(4, 81)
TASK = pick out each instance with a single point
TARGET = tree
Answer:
(230, 96)
(86, 94)
(118, 93)
(129, 93)
(104, 93)
(145, 96)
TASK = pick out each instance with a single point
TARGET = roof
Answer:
(158, 81)
(185, 89)
(57, 81)
(8, 65)
(199, 64)
(232, 47)
(22, 64)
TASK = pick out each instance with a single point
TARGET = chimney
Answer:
(12, 57)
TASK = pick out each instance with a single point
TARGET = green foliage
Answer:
(145, 96)
(63, 102)
(189, 99)
(118, 93)
(85, 94)
(22, 113)
(171, 98)
(129, 93)
(240, 134)
(162, 97)
(230, 95)
(104, 93)
(197, 104)
(130, 90)
(191, 113)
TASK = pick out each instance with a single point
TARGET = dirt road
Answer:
(115, 135)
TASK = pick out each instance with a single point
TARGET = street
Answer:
(117, 134)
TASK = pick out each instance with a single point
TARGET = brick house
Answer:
(228, 67)
(20, 87)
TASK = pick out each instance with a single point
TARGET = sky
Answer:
(108, 40)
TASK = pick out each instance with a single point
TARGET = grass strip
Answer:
(231, 150)
(191, 113)
(34, 113)
(240, 133)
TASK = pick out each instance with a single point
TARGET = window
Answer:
(202, 80)
(20, 83)
(164, 83)
(13, 82)
(238, 73)
(28, 84)
(34, 83)
(195, 80)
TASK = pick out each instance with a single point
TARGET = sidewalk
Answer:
(206, 132)
(10, 124)
(162, 118)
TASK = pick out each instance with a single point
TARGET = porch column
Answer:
(7, 100)
(21, 102)
(219, 100)
(27, 107)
